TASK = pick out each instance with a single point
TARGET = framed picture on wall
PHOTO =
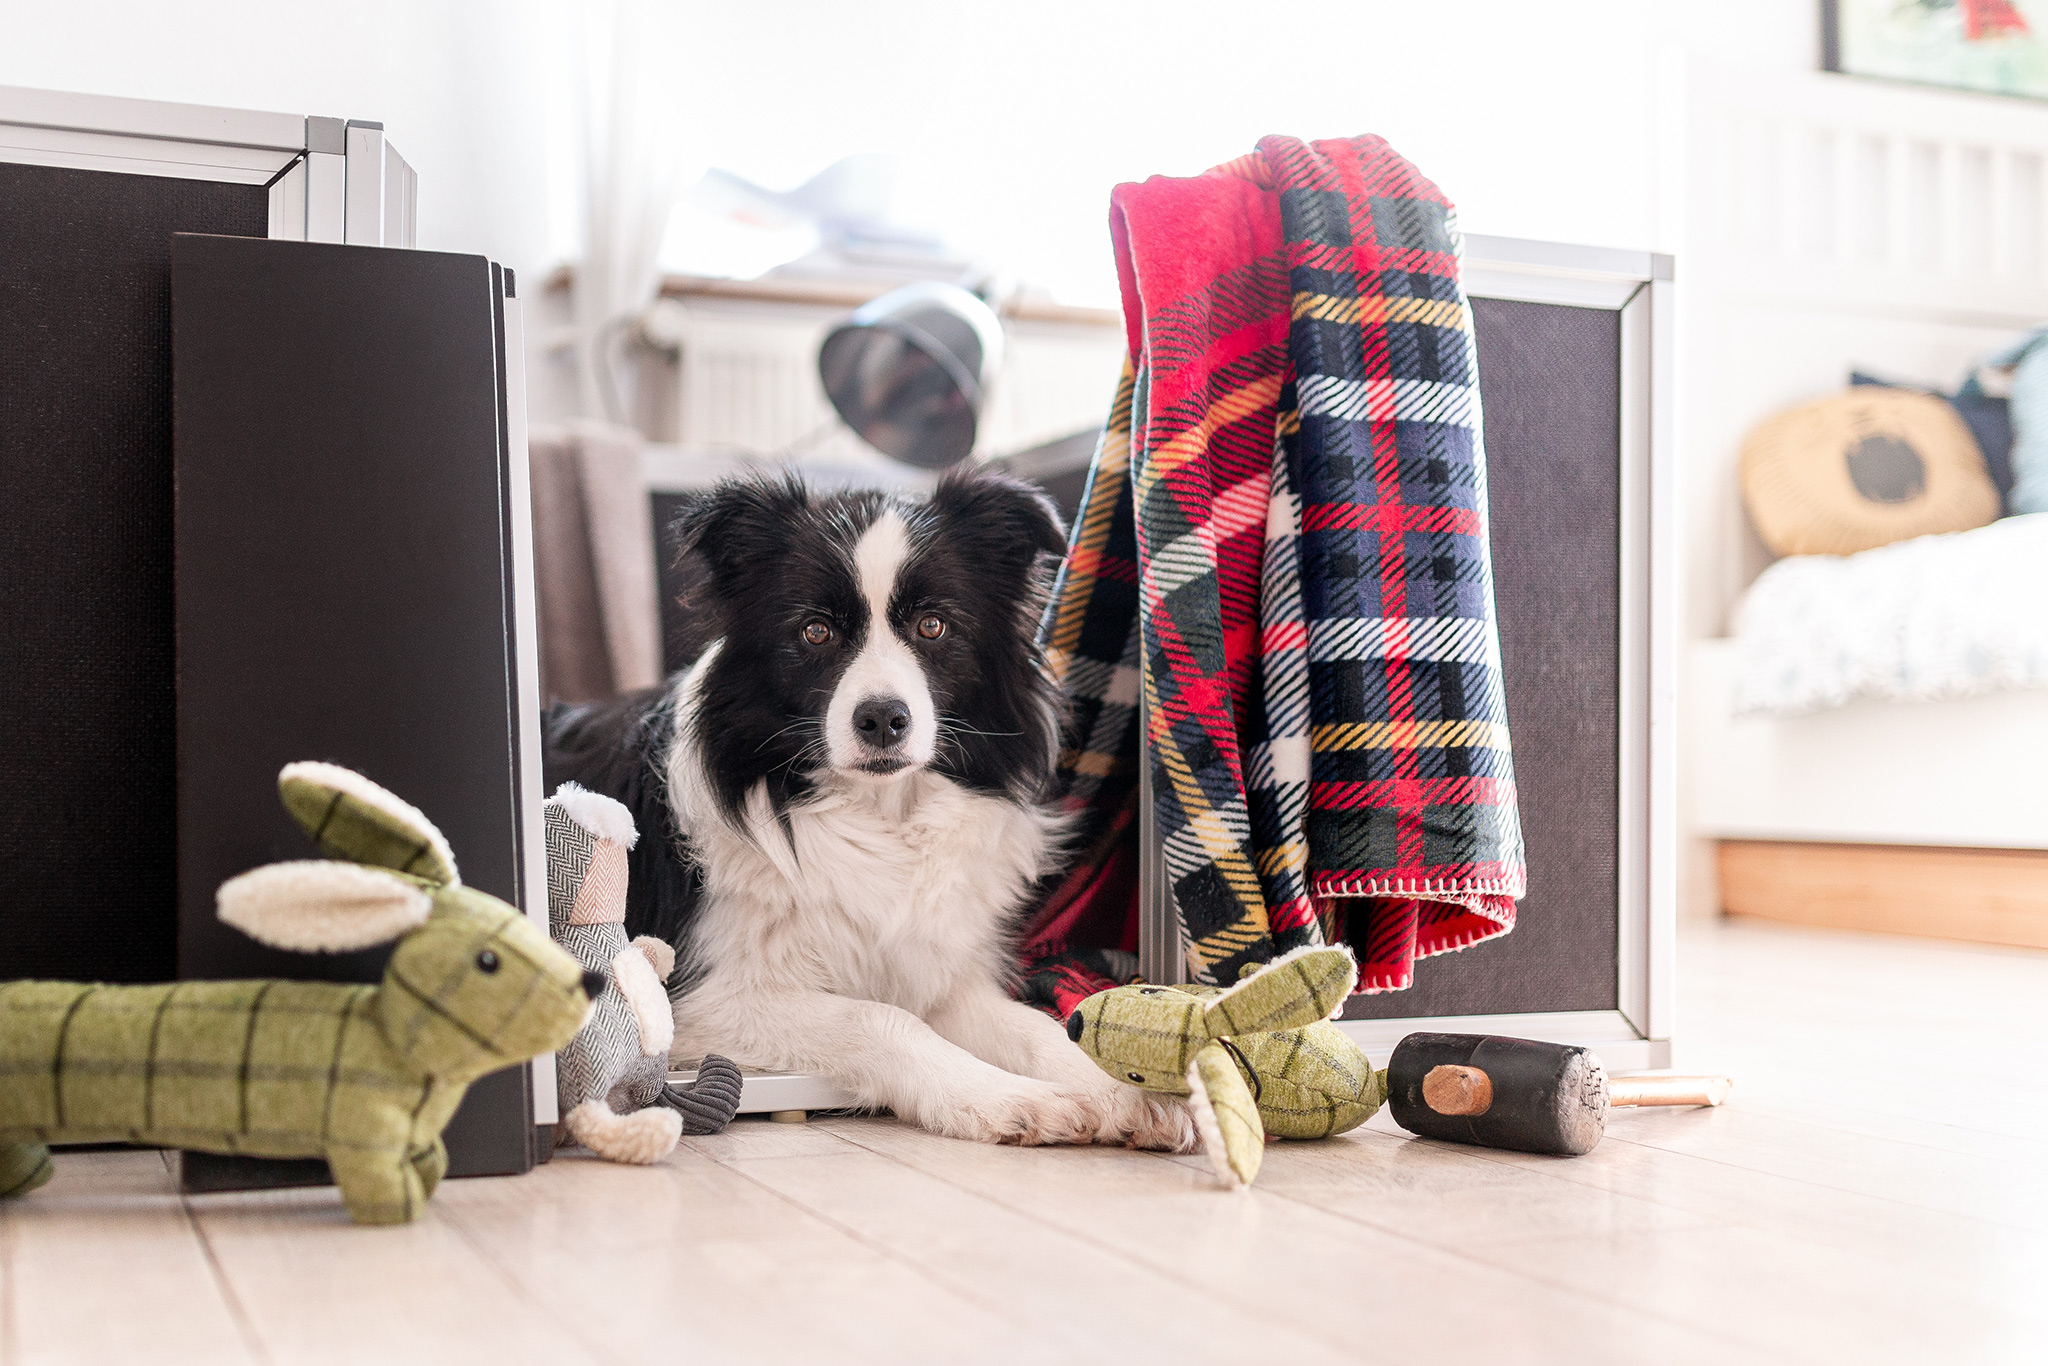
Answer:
(1997, 47)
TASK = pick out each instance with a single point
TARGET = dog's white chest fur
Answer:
(889, 892)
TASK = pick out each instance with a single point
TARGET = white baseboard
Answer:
(1607, 1032)
(763, 1092)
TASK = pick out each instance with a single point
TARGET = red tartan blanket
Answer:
(1283, 550)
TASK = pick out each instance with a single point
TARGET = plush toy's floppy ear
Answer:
(1226, 1116)
(321, 906)
(1293, 990)
(604, 817)
(352, 818)
(588, 835)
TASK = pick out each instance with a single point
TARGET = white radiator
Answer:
(749, 380)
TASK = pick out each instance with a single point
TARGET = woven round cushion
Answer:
(1863, 469)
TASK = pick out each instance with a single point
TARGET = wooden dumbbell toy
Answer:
(1520, 1094)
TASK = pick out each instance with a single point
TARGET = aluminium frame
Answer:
(329, 180)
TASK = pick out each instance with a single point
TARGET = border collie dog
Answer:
(846, 793)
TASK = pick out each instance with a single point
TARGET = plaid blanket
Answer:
(1282, 547)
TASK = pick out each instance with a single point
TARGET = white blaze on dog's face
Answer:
(881, 722)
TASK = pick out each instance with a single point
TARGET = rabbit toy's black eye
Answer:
(487, 961)
(1136, 1077)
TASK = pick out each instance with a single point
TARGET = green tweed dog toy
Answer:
(363, 1076)
(1256, 1059)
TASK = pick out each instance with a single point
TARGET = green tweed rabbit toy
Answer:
(1255, 1059)
(363, 1076)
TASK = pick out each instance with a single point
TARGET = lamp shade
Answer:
(908, 371)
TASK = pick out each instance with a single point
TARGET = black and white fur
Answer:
(852, 776)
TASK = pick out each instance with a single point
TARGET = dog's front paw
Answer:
(1144, 1119)
(1031, 1114)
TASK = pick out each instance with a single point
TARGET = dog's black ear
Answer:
(1004, 516)
(737, 524)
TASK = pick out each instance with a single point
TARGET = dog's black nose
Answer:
(881, 722)
(1074, 1024)
(594, 984)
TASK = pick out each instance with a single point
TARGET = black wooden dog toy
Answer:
(1520, 1094)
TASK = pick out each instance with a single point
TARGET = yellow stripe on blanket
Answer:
(1191, 443)
(1112, 463)
(1410, 735)
(1280, 857)
(1209, 826)
(1445, 313)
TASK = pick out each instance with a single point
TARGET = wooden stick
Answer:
(1667, 1090)
(1453, 1090)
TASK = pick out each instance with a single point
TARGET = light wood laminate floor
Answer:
(1873, 1192)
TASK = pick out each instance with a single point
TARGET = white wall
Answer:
(1014, 120)
(455, 82)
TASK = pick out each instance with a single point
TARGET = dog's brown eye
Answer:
(817, 632)
(931, 626)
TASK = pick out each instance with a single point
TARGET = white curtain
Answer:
(637, 142)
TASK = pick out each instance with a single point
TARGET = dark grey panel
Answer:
(1549, 377)
(342, 590)
(88, 844)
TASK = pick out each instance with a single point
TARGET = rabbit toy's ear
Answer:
(1226, 1116)
(321, 906)
(352, 818)
(1294, 990)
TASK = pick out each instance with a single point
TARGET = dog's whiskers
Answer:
(798, 724)
(948, 725)
(814, 749)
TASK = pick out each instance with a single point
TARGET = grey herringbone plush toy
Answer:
(620, 1059)
(365, 1077)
